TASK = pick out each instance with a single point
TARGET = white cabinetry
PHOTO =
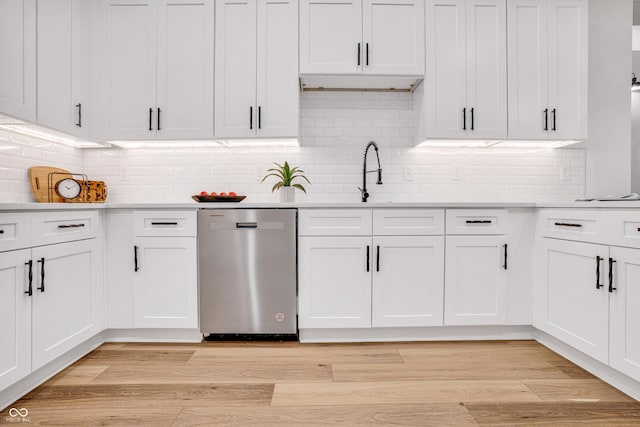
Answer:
(63, 65)
(548, 69)
(256, 76)
(165, 270)
(476, 267)
(354, 37)
(363, 268)
(51, 290)
(465, 86)
(18, 53)
(154, 69)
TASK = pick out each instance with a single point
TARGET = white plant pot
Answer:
(287, 194)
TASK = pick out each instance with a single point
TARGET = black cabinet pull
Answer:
(367, 53)
(611, 288)
(135, 259)
(30, 264)
(377, 258)
(259, 117)
(546, 119)
(250, 117)
(472, 118)
(553, 116)
(2, 231)
(159, 119)
(71, 225)
(41, 288)
(164, 223)
(150, 118)
(567, 224)
(505, 246)
(478, 221)
(358, 54)
(79, 107)
(464, 118)
(598, 259)
(368, 258)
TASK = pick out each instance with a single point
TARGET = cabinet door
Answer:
(486, 68)
(568, 303)
(331, 37)
(393, 37)
(277, 68)
(126, 69)
(408, 281)
(334, 285)
(445, 76)
(527, 63)
(185, 69)
(18, 53)
(67, 298)
(568, 85)
(166, 283)
(15, 312)
(625, 312)
(63, 65)
(235, 75)
(476, 286)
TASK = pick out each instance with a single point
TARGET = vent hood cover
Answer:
(309, 83)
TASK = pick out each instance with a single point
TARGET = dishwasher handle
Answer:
(246, 225)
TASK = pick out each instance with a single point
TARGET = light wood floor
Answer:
(263, 384)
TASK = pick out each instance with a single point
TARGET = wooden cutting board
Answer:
(39, 179)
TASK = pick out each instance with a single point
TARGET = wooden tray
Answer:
(39, 179)
(227, 199)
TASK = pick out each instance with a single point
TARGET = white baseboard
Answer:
(152, 335)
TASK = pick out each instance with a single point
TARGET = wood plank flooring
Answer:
(274, 384)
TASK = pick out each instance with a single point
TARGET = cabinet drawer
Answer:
(477, 221)
(58, 227)
(408, 222)
(165, 223)
(586, 226)
(15, 231)
(334, 222)
(624, 228)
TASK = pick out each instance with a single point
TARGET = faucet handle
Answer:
(365, 194)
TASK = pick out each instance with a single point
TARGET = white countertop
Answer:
(315, 205)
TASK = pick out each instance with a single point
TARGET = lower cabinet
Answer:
(476, 284)
(165, 282)
(15, 317)
(572, 301)
(67, 306)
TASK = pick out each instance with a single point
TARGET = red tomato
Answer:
(213, 193)
(232, 193)
(204, 193)
(222, 194)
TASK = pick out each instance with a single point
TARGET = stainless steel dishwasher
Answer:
(247, 273)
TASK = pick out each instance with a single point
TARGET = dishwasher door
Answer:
(247, 271)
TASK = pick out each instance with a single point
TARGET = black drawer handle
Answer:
(546, 119)
(377, 258)
(598, 259)
(505, 256)
(159, 118)
(472, 118)
(611, 288)
(464, 118)
(71, 225)
(30, 291)
(2, 231)
(567, 224)
(478, 221)
(358, 54)
(553, 115)
(41, 287)
(368, 258)
(165, 223)
(135, 259)
(150, 118)
(79, 107)
(246, 225)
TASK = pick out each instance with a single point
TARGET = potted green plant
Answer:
(286, 175)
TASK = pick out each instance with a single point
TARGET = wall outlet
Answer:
(123, 173)
(565, 173)
(407, 173)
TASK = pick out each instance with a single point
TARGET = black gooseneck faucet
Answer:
(363, 190)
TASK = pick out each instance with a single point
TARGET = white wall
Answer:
(609, 145)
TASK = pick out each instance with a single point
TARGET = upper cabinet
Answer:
(354, 37)
(256, 73)
(548, 69)
(63, 65)
(154, 69)
(18, 53)
(465, 86)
